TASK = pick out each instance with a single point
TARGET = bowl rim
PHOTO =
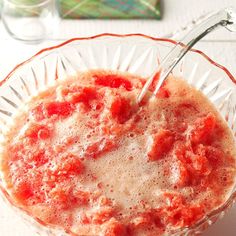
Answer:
(111, 35)
(232, 197)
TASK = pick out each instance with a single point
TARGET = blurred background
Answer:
(27, 26)
(177, 16)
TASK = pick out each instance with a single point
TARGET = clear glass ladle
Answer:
(225, 18)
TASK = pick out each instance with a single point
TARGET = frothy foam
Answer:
(124, 173)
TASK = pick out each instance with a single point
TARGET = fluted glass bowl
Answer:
(136, 54)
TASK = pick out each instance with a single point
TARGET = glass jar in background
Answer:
(29, 20)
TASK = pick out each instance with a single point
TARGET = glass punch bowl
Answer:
(136, 54)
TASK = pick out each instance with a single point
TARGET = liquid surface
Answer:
(84, 157)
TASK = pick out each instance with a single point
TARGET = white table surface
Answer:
(220, 45)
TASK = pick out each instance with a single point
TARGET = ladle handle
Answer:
(226, 18)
